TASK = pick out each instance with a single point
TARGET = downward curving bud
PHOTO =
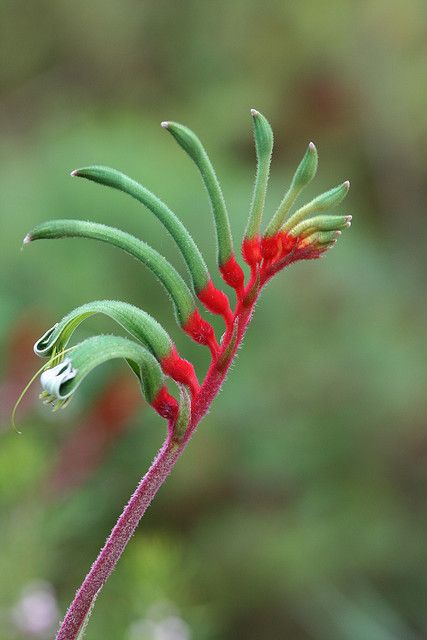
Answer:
(117, 180)
(137, 322)
(180, 294)
(61, 382)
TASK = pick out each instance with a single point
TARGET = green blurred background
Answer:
(299, 509)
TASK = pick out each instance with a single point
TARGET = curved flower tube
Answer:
(137, 322)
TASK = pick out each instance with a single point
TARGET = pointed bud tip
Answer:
(27, 239)
(254, 113)
(164, 124)
(312, 146)
(74, 173)
(346, 184)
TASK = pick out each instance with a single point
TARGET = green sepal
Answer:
(137, 322)
(193, 146)
(303, 175)
(179, 292)
(263, 136)
(62, 380)
(117, 180)
(321, 223)
(323, 202)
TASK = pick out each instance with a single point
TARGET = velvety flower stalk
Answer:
(305, 234)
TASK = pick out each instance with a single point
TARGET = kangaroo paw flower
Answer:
(291, 235)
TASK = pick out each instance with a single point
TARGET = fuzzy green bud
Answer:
(117, 180)
(193, 146)
(325, 201)
(60, 382)
(179, 292)
(321, 223)
(263, 136)
(303, 175)
(134, 320)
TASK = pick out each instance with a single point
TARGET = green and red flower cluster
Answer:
(305, 234)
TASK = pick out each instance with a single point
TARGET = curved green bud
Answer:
(323, 202)
(303, 175)
(117, 180)
(61, 381)
(192, 145)
(321, 223)
(136, 321)
(174, 284)
(263, 135)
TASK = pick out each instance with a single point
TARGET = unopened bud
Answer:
(303, 175)
(321, 223)
(325, 201)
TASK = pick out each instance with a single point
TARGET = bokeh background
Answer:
(299, 509)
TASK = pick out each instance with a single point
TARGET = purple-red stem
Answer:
(156, 475)
(118, 539)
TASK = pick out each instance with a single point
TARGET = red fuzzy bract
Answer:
(232, 273)
(287, 242)
(277, 247)
(165, 404)
(271, 246)
(180, 370)
(251, 250)
(201, 331)
(215, 300)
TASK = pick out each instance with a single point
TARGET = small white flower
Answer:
(52, 379)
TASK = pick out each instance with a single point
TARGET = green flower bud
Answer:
(323, 202)
(263, 136)
(193, 146)
(321, 223)
(180, 294)
(136, 321)
(303, 175)
(117, 180)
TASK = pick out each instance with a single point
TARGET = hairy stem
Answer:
(153, 479)
(118, 539)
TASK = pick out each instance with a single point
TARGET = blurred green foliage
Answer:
(299, 510)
